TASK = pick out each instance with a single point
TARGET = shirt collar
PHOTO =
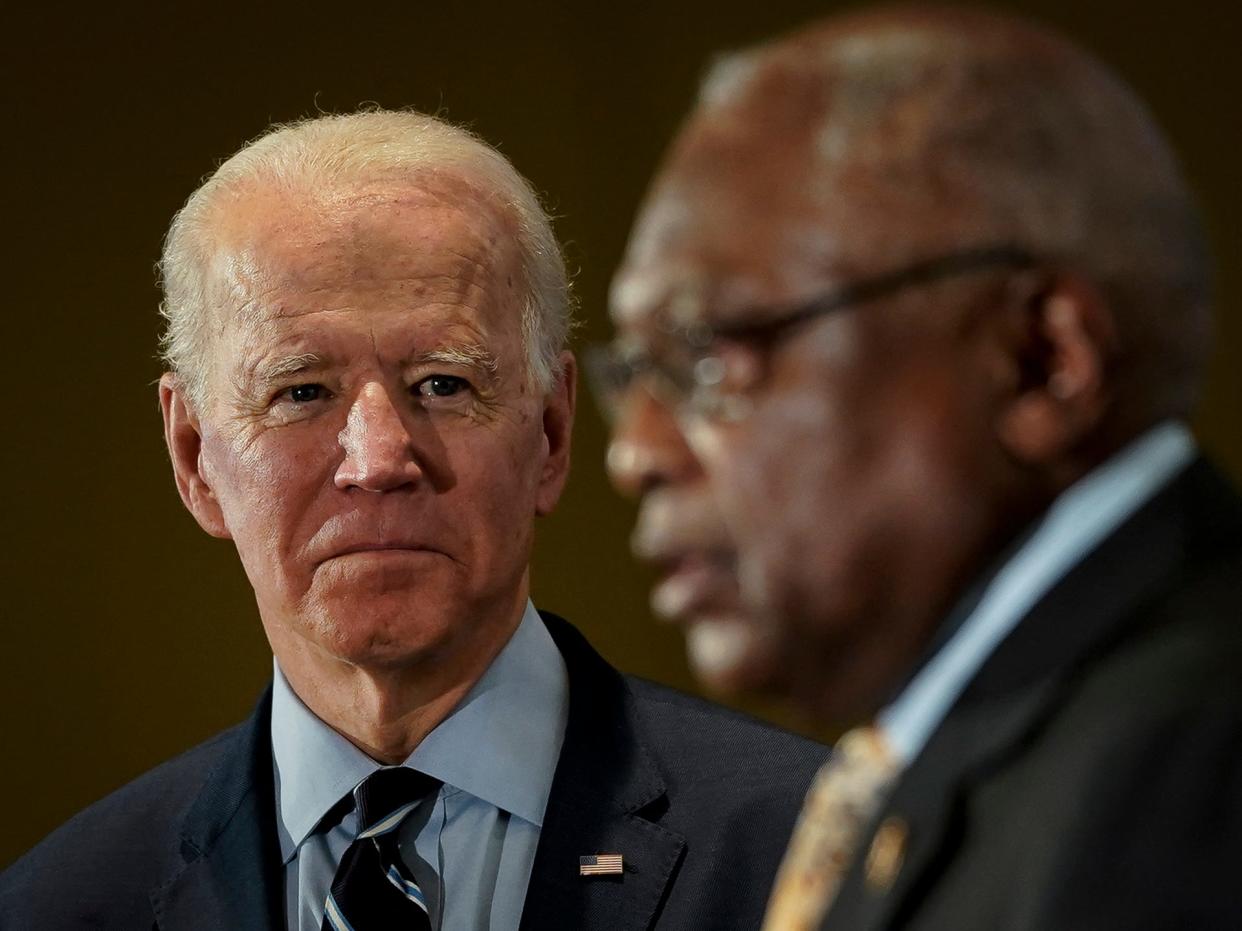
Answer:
(1079, 519)
(500, 744)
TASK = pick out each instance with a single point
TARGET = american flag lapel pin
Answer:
(600, 864)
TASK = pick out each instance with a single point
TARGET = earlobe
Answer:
(1063, 361)
(183, 436)
(558, 422)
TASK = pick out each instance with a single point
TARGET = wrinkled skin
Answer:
(812, 548)
(371, 444)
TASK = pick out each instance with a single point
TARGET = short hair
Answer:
(329, 151)
(1017, 137)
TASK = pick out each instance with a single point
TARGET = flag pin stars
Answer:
(600, 864)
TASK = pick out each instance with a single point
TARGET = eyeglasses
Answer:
(685, 369)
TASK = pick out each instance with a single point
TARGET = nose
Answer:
(379, 451)
(648, 446)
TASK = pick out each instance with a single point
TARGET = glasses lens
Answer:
(613, 369)
(686, 382)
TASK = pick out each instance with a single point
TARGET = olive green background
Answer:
(127, 633)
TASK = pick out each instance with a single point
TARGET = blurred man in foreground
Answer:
(370, 396)
(909, 329)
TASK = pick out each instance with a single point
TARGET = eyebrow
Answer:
(470, 356)
(288, 365)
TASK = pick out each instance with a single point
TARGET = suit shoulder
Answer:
(1184, 651)
(734, 787)
(692, 738)
(130, 833)
(693, 730)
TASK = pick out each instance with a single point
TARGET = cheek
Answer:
(797, 486)
(778, 473)
(495, 481)
(265, 487)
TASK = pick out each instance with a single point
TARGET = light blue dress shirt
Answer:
(1076, 523)
(472, 847)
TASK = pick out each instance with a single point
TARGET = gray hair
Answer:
(1007, 134)
(326, 151)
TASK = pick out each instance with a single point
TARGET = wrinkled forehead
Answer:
(744, 212)
(270, 240)
(730, 222)
(797, 172)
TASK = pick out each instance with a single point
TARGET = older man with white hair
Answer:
(368, 394)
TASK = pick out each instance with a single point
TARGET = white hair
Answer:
(323, 152)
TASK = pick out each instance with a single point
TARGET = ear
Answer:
(558, 425)
(1060, 362)
(183, 435)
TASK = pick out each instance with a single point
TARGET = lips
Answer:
(379, 548)
(376, 531)
(683, 536)
(372, 547)
(684, 539)
(695, 584)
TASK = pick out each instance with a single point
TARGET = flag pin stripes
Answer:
(601, 864)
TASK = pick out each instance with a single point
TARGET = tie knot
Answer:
(866, 747)
(394, 790)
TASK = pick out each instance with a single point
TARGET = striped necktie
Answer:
(845, 796)
(373, 888)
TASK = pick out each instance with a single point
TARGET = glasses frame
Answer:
(692, 388)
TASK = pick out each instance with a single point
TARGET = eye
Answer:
(440, 386)
(304, 394)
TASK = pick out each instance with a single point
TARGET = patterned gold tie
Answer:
(846, 794)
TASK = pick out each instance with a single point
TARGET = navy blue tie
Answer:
(372, 888)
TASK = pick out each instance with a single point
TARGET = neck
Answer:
(386, 710)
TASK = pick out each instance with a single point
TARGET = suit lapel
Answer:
(607, 797)
(927, 803)
(1020, 685)
(231, 877)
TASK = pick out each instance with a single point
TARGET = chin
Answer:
(731, 655)
(384, 631)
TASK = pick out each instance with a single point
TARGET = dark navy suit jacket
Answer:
(698, 800)
(1090, 776)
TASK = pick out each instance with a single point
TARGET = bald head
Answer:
(900, 133)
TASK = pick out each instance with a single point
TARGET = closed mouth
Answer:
(395, 548)
(693, 584)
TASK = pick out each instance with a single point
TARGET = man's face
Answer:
(370, 443)
(809, 543)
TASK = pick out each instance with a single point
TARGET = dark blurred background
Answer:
(128, 635)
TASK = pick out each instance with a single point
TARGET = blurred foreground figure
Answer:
(909, 328)
(370, 397)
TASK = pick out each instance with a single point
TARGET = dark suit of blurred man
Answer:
(910, 326)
